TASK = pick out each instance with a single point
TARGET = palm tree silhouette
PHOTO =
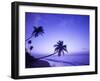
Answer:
(60, 48)
(36, 32)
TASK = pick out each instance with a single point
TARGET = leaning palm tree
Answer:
(60, 48)
(36, 32)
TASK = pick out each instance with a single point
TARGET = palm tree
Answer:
(36, 32)
(60, 48)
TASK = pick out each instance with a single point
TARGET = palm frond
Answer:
(60, 48)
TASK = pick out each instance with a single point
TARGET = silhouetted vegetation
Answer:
(29, 42)
(36, 32)
(31, 47)
(60, 48)
(32, 62)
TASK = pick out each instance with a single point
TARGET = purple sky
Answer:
(72, 29)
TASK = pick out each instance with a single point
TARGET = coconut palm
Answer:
(60, 48)
(36, 32)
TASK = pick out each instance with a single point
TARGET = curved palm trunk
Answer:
(45, 56)
(28, 38)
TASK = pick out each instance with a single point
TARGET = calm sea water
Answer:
(78, 59)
